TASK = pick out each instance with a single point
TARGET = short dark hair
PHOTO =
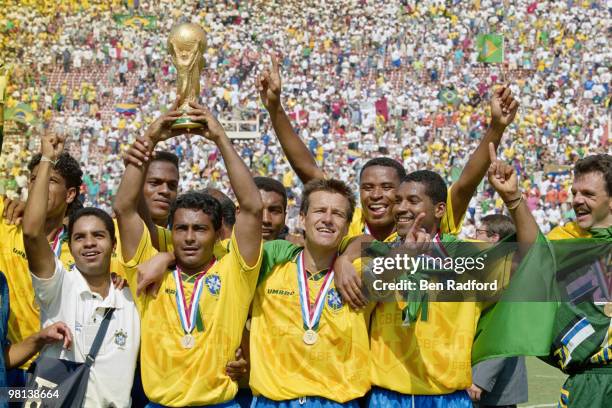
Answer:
(598, 163)
(93, 212)
(435, 187)
(194, 200)
(331, 186)
(228, 208)
(385, 162)
(499, 224)
(273, 186)
(66, 166)
(169, 157)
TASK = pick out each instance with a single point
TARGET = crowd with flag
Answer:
(197, 269)
(406, 73)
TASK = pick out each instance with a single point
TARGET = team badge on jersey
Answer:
(334, 301)
(213, 283)
(120, 338)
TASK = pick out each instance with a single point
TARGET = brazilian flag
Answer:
(135, 21)
(21, 113)
(490, 48)
(448, 95)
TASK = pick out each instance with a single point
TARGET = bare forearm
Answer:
(354, 249)
(297, 153)
(36, 206)
(240, 178)
(129, 193)
(474, 171)
(526, 227)
(18, 354)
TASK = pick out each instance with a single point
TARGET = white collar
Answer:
(114, 298)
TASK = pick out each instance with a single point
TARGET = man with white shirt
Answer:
(82, 297)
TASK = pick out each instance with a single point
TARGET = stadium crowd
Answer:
(378, 103)
(393, 78)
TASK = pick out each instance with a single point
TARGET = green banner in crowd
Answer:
(136, 21)
(448, 95)
(21, 113)
(490, 48)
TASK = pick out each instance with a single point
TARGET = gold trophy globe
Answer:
(186, 44)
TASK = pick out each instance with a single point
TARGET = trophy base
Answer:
(186, 123)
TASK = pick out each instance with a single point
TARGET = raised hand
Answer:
(503, 107)
(417, 240)
(161, 129)
(52, 145)
(269, 85)
(212, 129)
(503, 177)
(138, 153)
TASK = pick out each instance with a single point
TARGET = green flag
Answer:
(22, 113)
(448, 95)
(490, 48)
(553, 275)
(135, 21)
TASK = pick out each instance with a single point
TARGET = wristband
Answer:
(46, 159)
(515, 206)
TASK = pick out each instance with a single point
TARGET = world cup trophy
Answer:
(186, 44)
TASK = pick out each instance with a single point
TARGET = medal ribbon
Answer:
(439, 247)
(187, 313)
(56, 245)
(311, 317)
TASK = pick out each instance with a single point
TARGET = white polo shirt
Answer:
(66, 297)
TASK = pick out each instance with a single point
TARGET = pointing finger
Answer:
(416, 226)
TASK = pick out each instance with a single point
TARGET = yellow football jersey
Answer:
(283, 367)
(568, 231)
(171, 374)
(450, 224)
(432, 356)
(24, 317)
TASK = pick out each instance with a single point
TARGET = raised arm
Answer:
(503, 178)
(126, 201)
(248, 220)
(300, 158)
(503, 111)
(40, 256)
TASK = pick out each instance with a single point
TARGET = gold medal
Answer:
(310, 337)
(608, 309)
(188, 341)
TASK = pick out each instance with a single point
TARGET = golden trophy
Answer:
(186, 44)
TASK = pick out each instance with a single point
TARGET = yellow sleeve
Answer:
(164, 238)
(222, 248)
(451, 223)
(237, 256)
(144, 252)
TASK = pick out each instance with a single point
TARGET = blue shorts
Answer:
(228, 404)
(304, 402)
(382, 398)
